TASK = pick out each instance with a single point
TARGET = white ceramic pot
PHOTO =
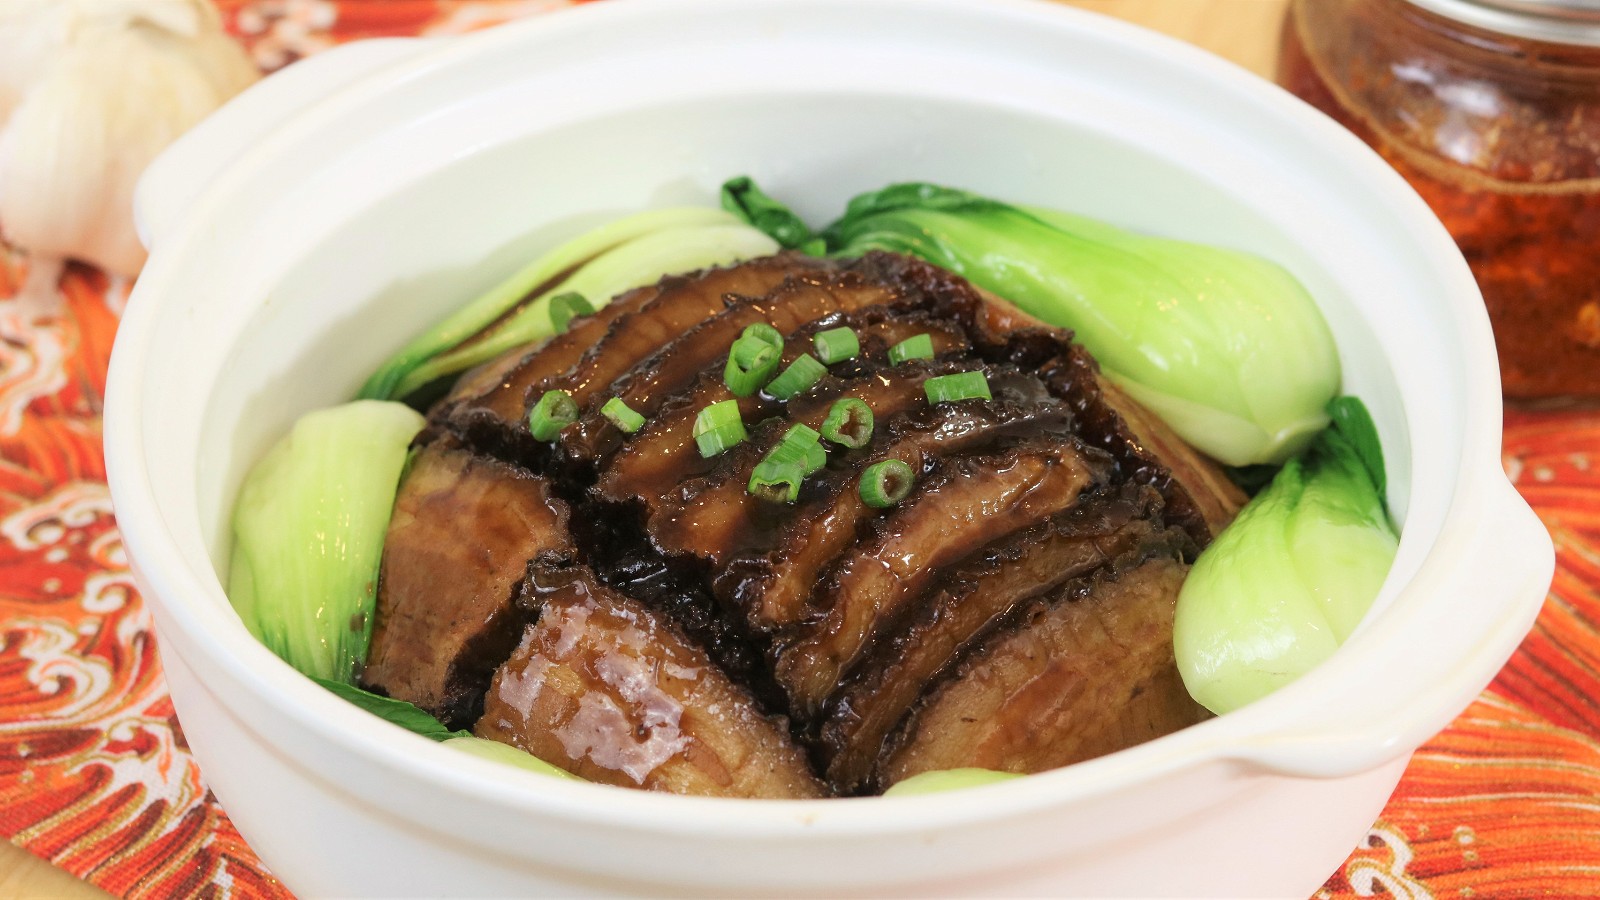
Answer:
(332, 211)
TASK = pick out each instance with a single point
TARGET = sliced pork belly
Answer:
(664, 453)
(599, 348)
(1191, 479)
(969, 602)
(611, 691)
(964, 504)
(610, 543)
(463, 530)
(767, 557)
(1085, 673)
(1013, 612)
(1199, 497)
(674, 367)
(499, 388)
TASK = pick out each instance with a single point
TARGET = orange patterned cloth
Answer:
(96, 778)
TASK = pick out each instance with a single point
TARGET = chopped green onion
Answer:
(886, 483)
(718, 427)
(554, 411)
(801, 444)
(765, 333)
(836, 345)
(778, 476)
(622, 415)
(718, 440)
(565, 307)
(751, 362)
(917, 347)
(801, 375)
(776, 481)
(960, 386)
(751, 351)
(849, 423)
(716, 415)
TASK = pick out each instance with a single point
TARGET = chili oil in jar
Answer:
(1491, 109)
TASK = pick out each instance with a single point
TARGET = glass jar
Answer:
(1491, 109)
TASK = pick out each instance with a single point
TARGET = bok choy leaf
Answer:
(631, 252)
(397, 712)
(1287, 582)
(308, 532)
(412, 718)
(1224, 346)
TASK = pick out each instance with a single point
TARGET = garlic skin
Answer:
(90, 92)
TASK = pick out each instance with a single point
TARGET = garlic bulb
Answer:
(90, 92)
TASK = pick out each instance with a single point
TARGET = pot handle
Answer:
(182, 172)
(1443, 653)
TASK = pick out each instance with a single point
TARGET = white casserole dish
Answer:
(309, 228)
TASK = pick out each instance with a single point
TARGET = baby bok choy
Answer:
(308, 534)
(1226, 347)
(591, 269)
(1287, 582)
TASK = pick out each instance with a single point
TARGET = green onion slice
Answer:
(751, 362)
(622, 415)
(765, 333)
(886, 483)
(916, 347)
(554, 411)
(778, 476)
(718, 427)
(960, 386)
(799, 376)
(565, 307)
(718, 440)
(776, 481)
(849, 423)
(836, 345)
(801, 444)
(750, 351)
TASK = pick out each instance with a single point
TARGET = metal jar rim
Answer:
(1553, 21)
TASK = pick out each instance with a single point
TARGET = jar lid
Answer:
(1553, 21)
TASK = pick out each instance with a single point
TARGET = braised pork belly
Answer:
(625, 606)
(463, 529)
(611, 690)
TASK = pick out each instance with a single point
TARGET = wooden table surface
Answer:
(1245, 31)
